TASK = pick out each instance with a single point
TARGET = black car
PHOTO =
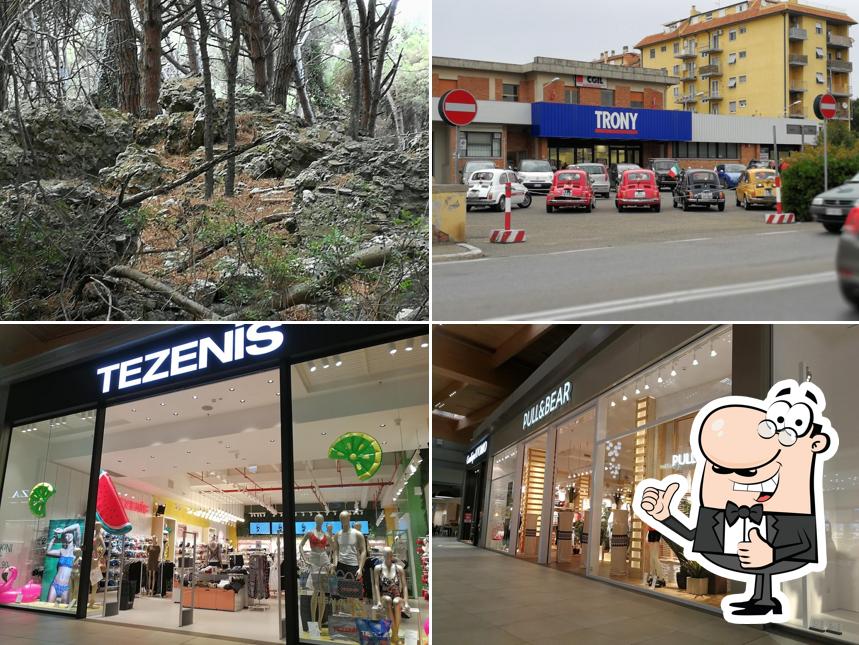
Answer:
(667, 175)
(699, 188)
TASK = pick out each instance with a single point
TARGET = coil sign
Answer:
(240, 343)
(477, 453)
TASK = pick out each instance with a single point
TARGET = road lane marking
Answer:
(596, 248)
(600, 309)
(515, 257)
(693, 239)
(778, 233)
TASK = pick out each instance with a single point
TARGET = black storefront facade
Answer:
(170, 360)
(472, 496)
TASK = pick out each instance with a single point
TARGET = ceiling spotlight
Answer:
(392, 349)
(613, 404)
(326, 364)
(241, 400)
(624, 397)
(175, 414)
(424, 343)
(713, 352)
(323, 433)
(673, 370)
(659, 378)
(271, 380)
(312, 366)
(382, 425)
(637, 390)
(149, 418)
(277, 393)
(194, 397)
(134, 409)
(695, 358)
(410, 345)
(646, 386)
(187, 452)
(337, 361)
(162, 404)
(232, 389)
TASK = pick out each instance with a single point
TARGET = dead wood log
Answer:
(156, 286)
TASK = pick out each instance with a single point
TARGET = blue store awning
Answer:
(566, 121)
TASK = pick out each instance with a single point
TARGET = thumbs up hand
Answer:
(655, 502)
(756, 552)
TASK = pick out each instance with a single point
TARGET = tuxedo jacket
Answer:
(793, 536)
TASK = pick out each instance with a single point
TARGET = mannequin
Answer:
(654, 575)
(318, 561)
(213, 552)
(153, 555)
(98, 549)
(75, 580)
(390, 591)
(69, 538)
(350, 550)
(330, 533)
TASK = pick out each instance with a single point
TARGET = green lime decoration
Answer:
(39, 496)
(359, 449)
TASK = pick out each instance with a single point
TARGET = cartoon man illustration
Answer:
(757, 502)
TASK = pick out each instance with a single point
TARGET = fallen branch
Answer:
(156, 286)
(208, 250)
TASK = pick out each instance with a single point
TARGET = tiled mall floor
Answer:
(31, 628)
(483, 598)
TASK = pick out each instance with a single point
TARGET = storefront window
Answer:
(647, 425)
(571, 493)
(43, 510)
(501, 500)
(361, 440)
(531, 504)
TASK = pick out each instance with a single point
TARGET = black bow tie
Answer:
(733, 512)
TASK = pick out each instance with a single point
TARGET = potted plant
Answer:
(697, 579)
(578, 529)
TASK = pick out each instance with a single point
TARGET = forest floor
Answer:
(320, 226)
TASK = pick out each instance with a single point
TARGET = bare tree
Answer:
(208, 95)
(152, 23)
(284, 68)
(125, 49)
(190, 42)
(256, 36)
(232, 71)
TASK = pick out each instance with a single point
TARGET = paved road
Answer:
(646, 266)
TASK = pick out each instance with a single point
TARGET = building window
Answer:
(664, 70)
(676, 48)
(742, 30)
(732, 35)
(653, 52)
(820, 78)
(483, 144)
(636, 104)
(676, 91)
(742, 7)
(818, 52)
(501, 492)
(743, 78)
(571, 95)
(743, 104)
(510, 93)
(607, 98)
(743, 54)
(732, 59)
(838, 54)
(818, 28)
(663, 49)
(732, 82)
(732, 107)
(676, 70)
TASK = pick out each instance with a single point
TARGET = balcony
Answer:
(797, 33)
(687, 75)
(797, 86)
(715, 95)
(796, 111)
(798, 59)
(686, 52)
(713, 48)
(688, 99)
(840, 91)
(839, 66)
(833, 40)
(707, 71)
(842, 114)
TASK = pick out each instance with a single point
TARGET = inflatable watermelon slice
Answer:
(108, 507)
(39, 496)
(359, 449)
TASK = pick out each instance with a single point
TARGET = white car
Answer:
(488, 188)
(536, 175)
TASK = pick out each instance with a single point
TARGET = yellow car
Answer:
(756, 188)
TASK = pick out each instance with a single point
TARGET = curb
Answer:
(470, 253)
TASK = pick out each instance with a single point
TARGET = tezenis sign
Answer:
(218, 347)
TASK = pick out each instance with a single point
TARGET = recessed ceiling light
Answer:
(326, 364)
(392, 349)
(187, 452)
(384, 443)
(134, 409)
(277, 393)
(271, 380)
(312, 366)
(337, 361)
(195, 397)
(119, 461)
(323, 433)
(149, 418)
(272, 440)
(424, 344)
(232, 389)
(175, 414)
(241, 400)
(152, 456)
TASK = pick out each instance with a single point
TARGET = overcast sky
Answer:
(516, 32)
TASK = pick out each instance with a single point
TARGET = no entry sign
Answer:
(457, 107)
(825, 106)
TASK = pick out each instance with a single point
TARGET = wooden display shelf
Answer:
(220, 599)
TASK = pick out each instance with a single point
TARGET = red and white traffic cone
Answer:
(507, 235)
(779, 217)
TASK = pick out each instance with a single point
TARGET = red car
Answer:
(571, 189)
(638, 189)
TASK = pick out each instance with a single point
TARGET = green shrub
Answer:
(803, 180)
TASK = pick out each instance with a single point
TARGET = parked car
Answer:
(758, 163)
(847, 260)
(473, 166)
(729, 173)
(667, 172)
(599, 177)
(616, 170)
(756, 188)
(638, 189)
(571, 189)
(488, 188)
(699, 188)
(536, 175)
(831, 208)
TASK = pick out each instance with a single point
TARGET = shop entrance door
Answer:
(531, 506)
(472, 505)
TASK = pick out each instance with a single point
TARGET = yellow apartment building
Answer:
(755, 58)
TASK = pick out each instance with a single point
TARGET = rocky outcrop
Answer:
(140, 168)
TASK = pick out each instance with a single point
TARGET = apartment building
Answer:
(755, 58)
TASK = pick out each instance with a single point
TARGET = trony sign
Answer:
(616, 122)
(236, 344)
(570, 121)
(545, 406)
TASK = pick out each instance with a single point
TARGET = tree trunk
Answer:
(125, 44)
(256, 39)
(366, 38)
(232, 71)
(301, 84)
(284, 68)
(397, 117)
(152, 23)
(208, 95)
(190, 45)
(377, 92)
(356, 67)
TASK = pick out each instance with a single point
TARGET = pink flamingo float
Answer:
(29, 592)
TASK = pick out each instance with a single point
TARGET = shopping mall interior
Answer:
(198, 474)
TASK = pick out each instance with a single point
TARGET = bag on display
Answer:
(373, 632)
(343, 628)
(349, 587)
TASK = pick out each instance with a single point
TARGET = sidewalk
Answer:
(32, 628)
(484, 598)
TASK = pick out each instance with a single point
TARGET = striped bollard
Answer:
(779, 217)
(507, 235)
